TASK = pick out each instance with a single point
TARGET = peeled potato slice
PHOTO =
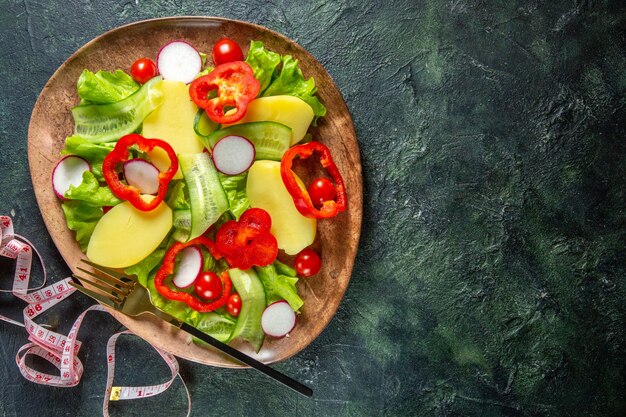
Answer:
(126, 235)
(266, 190)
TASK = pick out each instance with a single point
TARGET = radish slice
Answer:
(278, 319)
(233, 155)
(189, 267)
(67, 172)
(143, 175)
(179, 61)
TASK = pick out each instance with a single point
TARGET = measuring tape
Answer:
(60, 350)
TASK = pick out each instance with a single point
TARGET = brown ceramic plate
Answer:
(337, 239)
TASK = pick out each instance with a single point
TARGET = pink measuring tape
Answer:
(62, 351)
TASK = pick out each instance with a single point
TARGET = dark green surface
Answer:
(490, 275)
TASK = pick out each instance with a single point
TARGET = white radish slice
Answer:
(189, 267)
(278, 319)
(233, 155)
(68, 172)
(143, 175)
(179, 61)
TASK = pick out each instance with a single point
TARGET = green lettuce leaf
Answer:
(291, 82)
(283, 269)
(91, 193)
(263, 63)
(279, 287)
(284, 79)
(82, 219)
(176, 196)
(105, 86)
(92, 152)
(144, 268)
(235, 188)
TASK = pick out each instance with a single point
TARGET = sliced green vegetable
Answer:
(206, 196)
(182, 219)
(99, 123)
(250, 289)
(203, 125)
(182, 225)
(271, 140)
(105, 86)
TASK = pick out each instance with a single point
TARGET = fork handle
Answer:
(242, 357)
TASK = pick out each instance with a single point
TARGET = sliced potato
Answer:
(173, 123)
(266, 190)
(126, 235)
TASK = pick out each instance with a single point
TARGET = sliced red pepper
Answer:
(248, 242)
(121, 153)
(235, 85)
(301, 197)
(167, 268)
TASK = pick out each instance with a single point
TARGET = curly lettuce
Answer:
(279, 287)
(92, 152)
(105, 87)
(82, 219)
(235, 188)
(91, 193)
(282, 76)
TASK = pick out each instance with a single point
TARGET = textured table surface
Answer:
(490, 279)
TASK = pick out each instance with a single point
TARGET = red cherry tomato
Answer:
(233, 305)
(143, 70)
(208, 285)
(226, 50)
(320, 190)
(307, 263)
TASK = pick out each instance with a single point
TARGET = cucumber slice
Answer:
(206, 196)
(182, 219)
(182, 225)
(252, 293)
(270, 139)
(99, 123)
(203, 125)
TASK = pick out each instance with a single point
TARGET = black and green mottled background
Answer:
(490, 278)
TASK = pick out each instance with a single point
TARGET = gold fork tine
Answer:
(102, 287)
(106, 287)
(96, 296)
(108, 279)
(108, 271)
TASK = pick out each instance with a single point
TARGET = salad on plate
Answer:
(182, 173)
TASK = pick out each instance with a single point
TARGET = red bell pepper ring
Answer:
(167, 268)
(301, 197)
(248, 242)
(236, 87)
(121, 154)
